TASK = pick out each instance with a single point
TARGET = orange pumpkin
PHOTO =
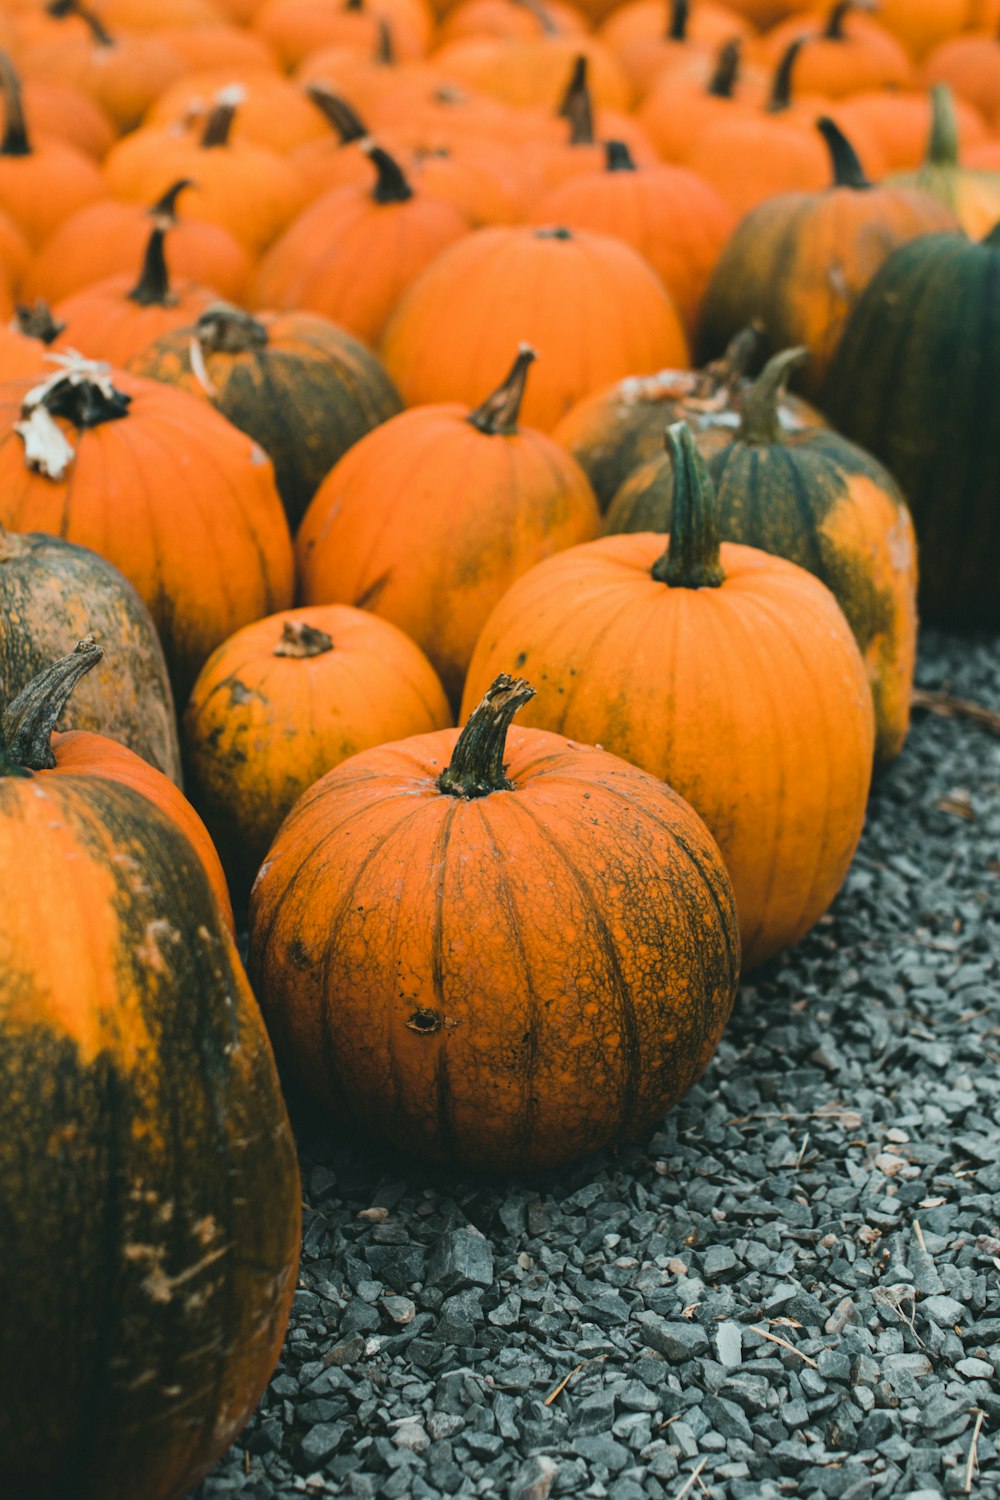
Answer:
(443, 503)
(534, 71)
(41, 182)
(159, 484)
(900, 123)
(296, 28)
(677, 111)
(273, 112)
(971, 195)
(590, 305)
(650, 38)
(473, 977)
(970, 65)
(284, 700)
(845, 51)
(60, 109)
(731, 674)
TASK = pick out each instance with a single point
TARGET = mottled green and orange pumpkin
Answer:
(730, 673)
(524, 950)
(822, 502)
(145, 1150)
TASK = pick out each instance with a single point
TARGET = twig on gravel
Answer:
(950, 707)
(691, 1480)
(920, 1235)
(558, 1389)
(972, 1464)
(765, 1333)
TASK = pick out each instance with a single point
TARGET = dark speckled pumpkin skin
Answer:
(825, 504)
(150, 1226)
(52, 594)
(499, 983)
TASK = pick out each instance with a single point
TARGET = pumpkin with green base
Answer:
(822, 502)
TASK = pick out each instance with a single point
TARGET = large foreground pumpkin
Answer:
(731, 674)
(522, 951)
(150, 1225)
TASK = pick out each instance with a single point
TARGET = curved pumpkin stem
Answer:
(385, 48)
(617, 157)
(722, 83)
(834, 30)
(780, 97)
(219, 123)
(498, 414)
(37, 321)
(577, 106)
(28, 721)
(80, 391)
(341, 115)
(165, 207)
(15, 141)
(761, 422)
(677, 27)
(847, 169)
(153, 287)
(391, 185)
(225, 329)
(692, 559)
(942, 144)
(99, 34)
(476, 767)
(301, 641)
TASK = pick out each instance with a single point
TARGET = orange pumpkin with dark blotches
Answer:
(524, 950)
(284, 700)
(144, 1138)
(730, 673)
(443, 504)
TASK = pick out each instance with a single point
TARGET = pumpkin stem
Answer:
(576, 106)
(385, 50)
(722, 83)
(59, 9)
(942, 145)
(300, 640)
(391, 185)
(80, 391)
(498, 414)
(37, 321)
(476, 767)
(15, 136)
(29, 719)
(219, 122)
(677, 27)
(847, 169)
(336, 110)
(691, 560)
(726, 372)
(224, 329)
(617, 157)
(153, 287)
(780, 97)
(838, 15)
(166, 207)
(761, 423)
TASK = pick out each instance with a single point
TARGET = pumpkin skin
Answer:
(750, 698)
(41, 181)
(443, 503)
(174, 496)
(504, 980)
(846, 51)
(813, 497)
(53, 593)
(298, 384)
(591, 306)
(915, 382)
(284, 700)
(972, 196)
(799, 261)
(145, 1137)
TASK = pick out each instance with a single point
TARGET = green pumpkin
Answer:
(917, 381)
(815, 498)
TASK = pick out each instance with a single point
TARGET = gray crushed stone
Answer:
(791, 1287)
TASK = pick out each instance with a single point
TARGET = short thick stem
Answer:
(37, 322)
(344, 119)
(219, 123)
(301, 641)
(224, 329)
(677, 28)
(780, 97)
(577, 106)
(942, 144)
(476, 768)
(166, 206)
(28, 721)
(692, 559)
(153, 287)
(498, 414)
(838, 15)
(391, 185)
(617, 157)
(15, 136)
(761, 422)
(722, 83)
(844, 161)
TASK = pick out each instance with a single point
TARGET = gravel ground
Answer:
(792, 1287)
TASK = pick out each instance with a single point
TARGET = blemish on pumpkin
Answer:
(425, 1022)
(240, 693)
(149, 950)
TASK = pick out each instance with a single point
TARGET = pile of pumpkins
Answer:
(556, 371)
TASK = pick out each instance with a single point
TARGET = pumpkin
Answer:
(915, 381)
(675, 219)
(970, 65)
(617, 429)
(296, 28)
(352, 254)
(273, 112)
(650, 38)
(972, 196)
(570, 143)
(845, 51)
(900, 123)
(676, 111)
(729, 673)
(533, 71)
(117, 317)
(51, 593)
(146, 1146)
(299, 385)
(29, 733)
(589, 304)
(921, 24)
(41, 182)
(525, 949)
(817, 499)
(163, 487)
(508, 19)
(443, 503)
(799, 261)
(284, 700)
(60, 109)
(107, 238)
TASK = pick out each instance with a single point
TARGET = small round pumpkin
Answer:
(298, 384)
(845, 50)
(283, 701)
(730, 673)
(41, 181)
(146, 1145)
(525, 949)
